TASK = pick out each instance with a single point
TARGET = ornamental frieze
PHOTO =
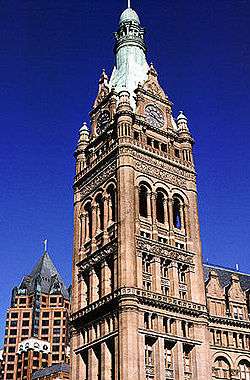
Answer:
(99, 177)
(159, 173)
(97, 257)
(163, 250)
(157, 163)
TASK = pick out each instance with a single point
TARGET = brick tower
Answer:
(139, 306)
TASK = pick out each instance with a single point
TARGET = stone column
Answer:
(137, 216)
(174, 279)
(170, 219)
(93, 364)
(128, 341)
(157, 275)
(159, 359)
(105, 279)
(107, 219)
(106, 362)
(94, 226)
(141, 350)
(139, 270)
(93, 285)
(178, 361)
(166, 216)
(153, 213)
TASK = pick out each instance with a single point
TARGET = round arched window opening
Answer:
(143, 201)
(160, 211)
(177, 213)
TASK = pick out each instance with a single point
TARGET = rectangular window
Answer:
(57, 322)
(45, 331)
(45, 314)
(45, 322)
(149, 352)
(187, 359)
(26, 322)
(26, 315)
(56, 348)
(168, 355)
(13, 315)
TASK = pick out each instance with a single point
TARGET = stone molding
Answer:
(163, 250)
(229, 321)
(99, 177)
(148, 298)
(97, 257)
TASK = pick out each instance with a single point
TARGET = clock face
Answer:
(154, 116)
(102, 121)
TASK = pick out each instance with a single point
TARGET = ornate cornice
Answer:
(229, 321)
(147, 298)
(164, 250)
(98, 256)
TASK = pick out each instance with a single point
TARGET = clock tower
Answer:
(139, 306)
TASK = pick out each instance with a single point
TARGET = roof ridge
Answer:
(226, 269)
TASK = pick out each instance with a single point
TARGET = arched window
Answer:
(160, 207)
(88, 225)
(177, 213)
(221, 368)
(244, 369)
(100, 212)
(143, 201)
(112, 203)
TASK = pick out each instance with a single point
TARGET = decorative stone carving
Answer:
(98, 256)
(164, 250)
(213, 286)
(185, 174)
(235, 292)
(99, 177)
(159, 173)
(103, 90)
(152, 85)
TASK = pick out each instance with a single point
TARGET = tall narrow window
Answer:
(177, 213)
(88, 226)
(168, 355)
(100, 212)
(187, 358)
(149, 356)
(146, 263)
(160, 211)
(143, 201)
(112, 203)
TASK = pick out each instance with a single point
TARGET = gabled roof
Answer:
(225, 275)
(45, 278)
(57, 368)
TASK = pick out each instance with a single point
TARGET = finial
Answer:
(129, 4)
(45, 243)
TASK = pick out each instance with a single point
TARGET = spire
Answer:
(46, 275)
(131, 66)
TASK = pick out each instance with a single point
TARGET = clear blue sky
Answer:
(52, 53)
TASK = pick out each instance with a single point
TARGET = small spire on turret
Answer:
(84, 134)
(182, 122)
